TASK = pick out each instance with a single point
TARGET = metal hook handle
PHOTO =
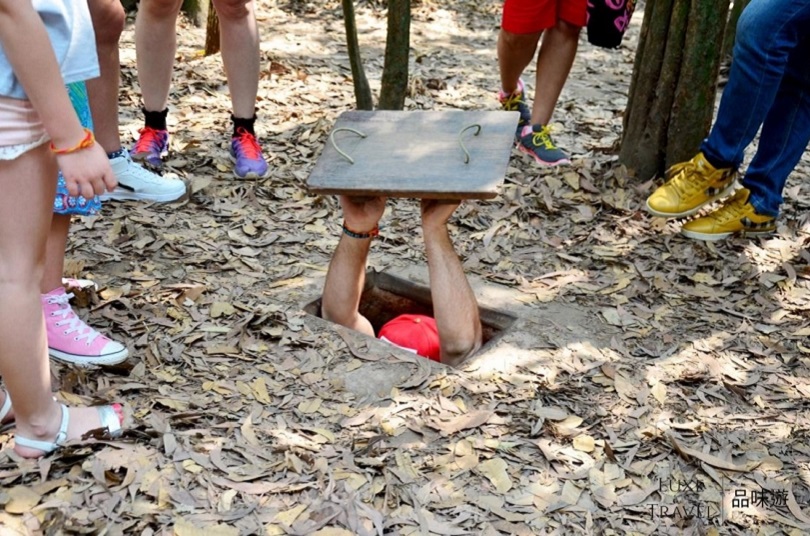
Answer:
(332, 139)
(461, 141)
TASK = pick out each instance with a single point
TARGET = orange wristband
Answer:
(86, 142)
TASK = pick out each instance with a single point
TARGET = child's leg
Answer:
(55, 253)
(240, 53)
(9, 273)
(69, 338)
(108, 22)
(557, 53)
(155, 45)
(522, 23)
(25, 215)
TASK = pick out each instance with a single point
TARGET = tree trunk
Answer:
(731, 27)
(362, 92)
(196, 10)
(693, 105)
(672, 92)
(397, 52)
(212, 31)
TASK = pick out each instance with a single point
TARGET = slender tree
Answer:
(195, 10)
(394, 84)
(362, 92)
(397, 52)
(211, 30)
(731, 28)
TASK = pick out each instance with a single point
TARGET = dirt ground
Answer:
(651, 384)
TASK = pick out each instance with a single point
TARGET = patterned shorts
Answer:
(64, 202)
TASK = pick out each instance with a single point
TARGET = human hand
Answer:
(436, 212)
(362, 214)
(87, 172)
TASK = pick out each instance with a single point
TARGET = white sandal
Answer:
(107, 416)
(5, 409)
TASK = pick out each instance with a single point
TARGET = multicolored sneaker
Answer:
(736, 216)
(536, 142)
(151, 147)
(73, 341)
(136, 183)
(516, 102)
(246, 154)
(690, 185)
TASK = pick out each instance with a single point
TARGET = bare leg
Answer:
(515, 51)
(23, 231)
(155, 45)
(55, 253)
(239, 40)
(557, 53)
(108, 22)
(64, 330)
(23, 346)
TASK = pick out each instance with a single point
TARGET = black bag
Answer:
(608, 20)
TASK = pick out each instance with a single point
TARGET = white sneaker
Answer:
(135, 183)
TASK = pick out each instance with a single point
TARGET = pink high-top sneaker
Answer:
(73, 341)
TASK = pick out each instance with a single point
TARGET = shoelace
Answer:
(247, 145)
(733, 209)
(143, 174)
(72, 322)
(682, 186)
(678, 168)
(513, 102)
(543, 138)
(149, 141)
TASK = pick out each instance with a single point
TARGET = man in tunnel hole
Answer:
(454, 333)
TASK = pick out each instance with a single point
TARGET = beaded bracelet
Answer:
(86, 142)
(371, 234)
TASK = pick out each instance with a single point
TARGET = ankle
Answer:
(155, 120)
(715, 163)
(117, 154)
(56, 291)
(515, 89)
(530, 129)
(246, 123)
(42, 424)
(54, 298)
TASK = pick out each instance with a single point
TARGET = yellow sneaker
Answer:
(690, 185)
(736, 215)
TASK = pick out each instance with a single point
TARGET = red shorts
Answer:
(532, 16)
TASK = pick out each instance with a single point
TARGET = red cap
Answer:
(417, 333)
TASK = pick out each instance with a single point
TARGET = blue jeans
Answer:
(769, 86)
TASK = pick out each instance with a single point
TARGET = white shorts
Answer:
(20, 128)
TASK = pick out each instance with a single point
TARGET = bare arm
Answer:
(27, 45)
(28, 48)
(347, 271)
(454, 304)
